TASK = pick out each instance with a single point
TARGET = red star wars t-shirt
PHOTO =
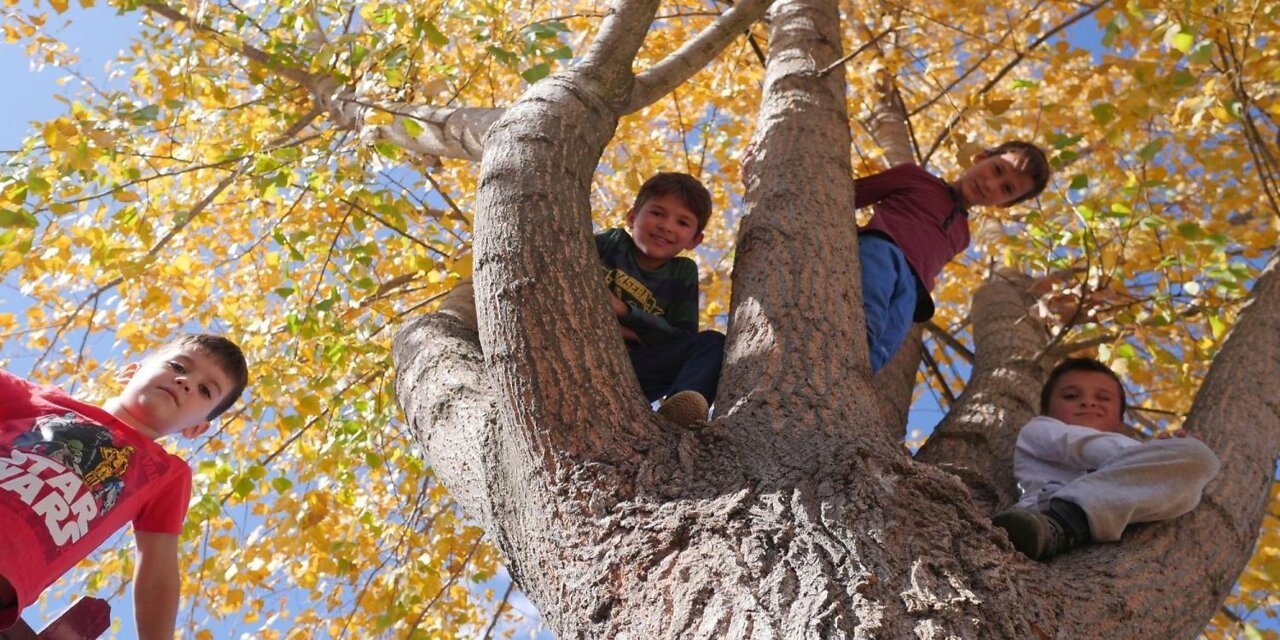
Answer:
(71, 474)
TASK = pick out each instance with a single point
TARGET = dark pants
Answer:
(688, 363)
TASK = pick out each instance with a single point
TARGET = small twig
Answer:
(936, 371)
(950, 340)
(506, 595)
(864, 47)
(394, 228)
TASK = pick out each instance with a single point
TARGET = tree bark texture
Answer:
(796, 513)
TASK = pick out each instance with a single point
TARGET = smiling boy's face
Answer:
(172, 390)
(994, 180)
(1089, 399)
(662, 227)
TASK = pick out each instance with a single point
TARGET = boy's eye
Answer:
(177, 367)
(204, 391)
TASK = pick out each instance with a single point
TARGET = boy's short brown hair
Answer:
(682, 185)
(1035, 164)
(1079, 364)
(229, 358)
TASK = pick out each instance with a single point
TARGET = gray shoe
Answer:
(1037, 535)
(686, 408)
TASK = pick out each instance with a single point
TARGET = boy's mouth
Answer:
(172, 395)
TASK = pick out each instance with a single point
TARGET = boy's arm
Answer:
(682, 311)
(871, 189)
(156, 584)
(1080, 447)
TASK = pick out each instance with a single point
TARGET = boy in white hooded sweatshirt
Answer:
(1083, 480)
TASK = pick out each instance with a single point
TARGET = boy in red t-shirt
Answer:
(72, 473)
(921, 222)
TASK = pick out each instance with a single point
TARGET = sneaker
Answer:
(1038, 536)
(686, 408)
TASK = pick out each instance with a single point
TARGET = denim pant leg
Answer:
(888, 294)
(689, 362)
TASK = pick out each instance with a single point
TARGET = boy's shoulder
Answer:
(910, 173)
(908, 180)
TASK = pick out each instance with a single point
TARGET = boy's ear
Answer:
(631, 218)
(196, 430)
(694, 241)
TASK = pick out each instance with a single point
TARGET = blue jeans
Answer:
(888, 294)
(689, 362)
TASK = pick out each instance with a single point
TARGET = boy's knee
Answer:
(711, 338)
(1197, 458)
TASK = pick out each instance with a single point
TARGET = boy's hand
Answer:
(629, 335)
(620, 308)
(1165, 435)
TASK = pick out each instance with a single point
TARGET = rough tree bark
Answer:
(797, 513)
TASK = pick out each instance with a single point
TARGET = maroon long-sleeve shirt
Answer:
(919, 212)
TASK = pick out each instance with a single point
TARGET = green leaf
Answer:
(536, 72)
(1218, 327)
(1103, 113)
(17, 218)
(358, 53)
(1080, 181)
(145, 114)
(1110, 32)
(434, 36)
(562, 53)
(1023, 84)
(244, 486)
(1061, 141)
(281, 484)
(1180, 40)
(1149, 150)
(1191, 230)
(412, 127)
(503, 56)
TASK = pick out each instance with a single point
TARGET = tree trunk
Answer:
(797, 513)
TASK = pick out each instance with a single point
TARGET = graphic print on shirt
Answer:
(69, 471)
(630, 289)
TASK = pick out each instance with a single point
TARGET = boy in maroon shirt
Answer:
(921, 222)
(72, 473)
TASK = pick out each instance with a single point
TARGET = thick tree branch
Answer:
(976, 439)
(807, 317)
(441, 381)
(693, 56)
(888, 122)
